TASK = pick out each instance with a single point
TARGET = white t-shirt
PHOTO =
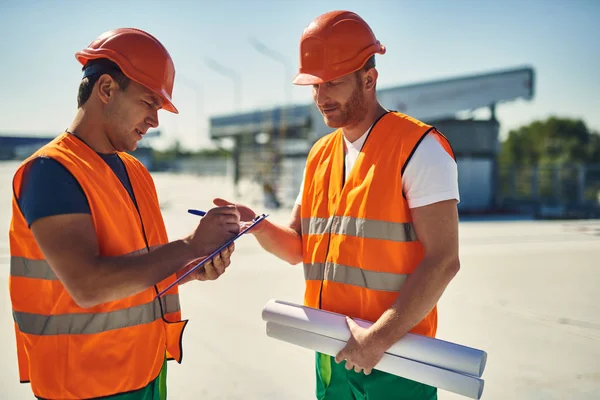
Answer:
(431, 175)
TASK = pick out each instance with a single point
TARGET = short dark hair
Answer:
(369, 64)
(101, 66)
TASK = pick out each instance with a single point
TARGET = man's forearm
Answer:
(418, 296)
(281, 241)
(124, 276)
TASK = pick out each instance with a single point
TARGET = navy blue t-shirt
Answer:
(48, 188)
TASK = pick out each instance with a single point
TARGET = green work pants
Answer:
(335, 382)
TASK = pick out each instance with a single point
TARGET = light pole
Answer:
(199, 91)
(231, 74)
(287, 66)
(237, 102)
(263, 49)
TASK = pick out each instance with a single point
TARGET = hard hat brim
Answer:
(168, 105)
(304, 79)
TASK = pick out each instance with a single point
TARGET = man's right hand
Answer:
(284, 242)
(219, 225)
(246, 214)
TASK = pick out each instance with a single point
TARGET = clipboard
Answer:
(255, 221)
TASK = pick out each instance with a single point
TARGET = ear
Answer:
(371, 79)
(105, 88)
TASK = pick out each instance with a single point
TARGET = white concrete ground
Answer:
(527, 294)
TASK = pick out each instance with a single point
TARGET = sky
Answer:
(425, 40)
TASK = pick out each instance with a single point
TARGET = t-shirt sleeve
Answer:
(50, 189)
(431, 175)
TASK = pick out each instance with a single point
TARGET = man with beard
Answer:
(376, 222)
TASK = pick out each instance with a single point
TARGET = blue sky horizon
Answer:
(426, 40)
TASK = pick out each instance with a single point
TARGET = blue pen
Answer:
(197, 212)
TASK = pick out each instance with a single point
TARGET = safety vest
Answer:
(68, 352)
(359, 244)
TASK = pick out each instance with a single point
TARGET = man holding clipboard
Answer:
(375, 223)
(89, 248)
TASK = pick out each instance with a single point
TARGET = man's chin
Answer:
(332, 123)
(129, 147)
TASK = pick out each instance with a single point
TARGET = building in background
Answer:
(19, 146)
(270, 146)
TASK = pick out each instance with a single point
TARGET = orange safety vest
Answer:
(68, 352)
(359, 244)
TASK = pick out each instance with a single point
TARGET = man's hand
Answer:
(211, 270)
(219, 225)
(361, 352)
(284, 242)
(215, 267)
(246, 214)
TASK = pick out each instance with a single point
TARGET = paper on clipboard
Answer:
(255, 221)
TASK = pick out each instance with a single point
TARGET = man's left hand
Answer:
(361, 352)
(215, 267)
(212, 269)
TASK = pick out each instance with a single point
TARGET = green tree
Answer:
(552, 149)
(553, 141)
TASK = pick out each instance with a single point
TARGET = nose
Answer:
(152, 119)
(319, 94)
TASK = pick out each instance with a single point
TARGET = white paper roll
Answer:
(424, 349)
(454, 382)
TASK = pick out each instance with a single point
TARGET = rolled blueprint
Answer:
(424, 349)
(454, 382)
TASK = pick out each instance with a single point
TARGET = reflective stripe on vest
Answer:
(86, 323)
(36, 269)
(83, 323)
(373, 280)
(40, 269)
(359, 227)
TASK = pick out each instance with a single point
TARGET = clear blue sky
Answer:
(426, 39)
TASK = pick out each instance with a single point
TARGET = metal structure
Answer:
(272, 144)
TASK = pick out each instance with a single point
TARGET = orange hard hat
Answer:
(140, 56)
(333, 45)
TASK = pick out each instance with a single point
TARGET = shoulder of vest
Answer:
(324, 141)
(48, 149)
(418, 138)
(404, 129)
(443, 140)
(128, 157)
(405, 121)
(327, 138)
(132, 162)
